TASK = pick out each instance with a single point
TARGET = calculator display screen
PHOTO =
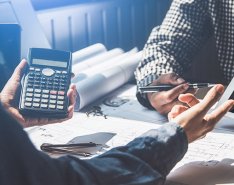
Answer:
(51, 63)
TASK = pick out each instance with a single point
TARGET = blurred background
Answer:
(75, 24)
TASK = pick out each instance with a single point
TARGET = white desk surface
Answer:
(209, 161)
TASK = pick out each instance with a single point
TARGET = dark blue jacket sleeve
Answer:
(145, 160)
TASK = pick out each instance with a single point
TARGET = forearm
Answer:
(172, 46)
(146, 160)
(160, 148)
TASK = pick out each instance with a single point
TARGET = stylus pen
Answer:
(158, 88)
(79, 145)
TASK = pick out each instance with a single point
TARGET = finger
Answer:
(70, 112)
(189, 99)
(175, 79)
(18, 72)
(72, 94)
(166, 108)
(176, 110)
(170, 78)
(218, 113)
(212, 97)
(175, 92)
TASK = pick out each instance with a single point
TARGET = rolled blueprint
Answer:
(111, 61)
(87, 52)
(102, 83)
(92, 61)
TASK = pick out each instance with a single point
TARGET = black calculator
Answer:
(45, 83)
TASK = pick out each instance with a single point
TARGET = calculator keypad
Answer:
(46, 89)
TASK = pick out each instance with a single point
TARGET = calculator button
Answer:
(29, 94)
(53, 96)
(60, 107)
(60, 102)
(48, 72)
(44, 100)
(56, 88)
(58, 72)
(37, 95)
(45, 91)
(44, 106)
(29, 85)
(29, 90)
(63, 81)
(28, 104)
(56, 84)
(37, 69)
(64, 72)
(31, 68)
(37, 91)
(36, 105)
(37, 100)
(60, 97)
(36, 85)
(28, 99)
(53, 101)
(31, 74)
(43, 83)
(45, 96)
(52, 106)
(48, 87)
(61, 93)
(31, 78)
(53, 92)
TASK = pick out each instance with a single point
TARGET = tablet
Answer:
(228, 94)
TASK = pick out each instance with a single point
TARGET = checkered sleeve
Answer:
(172, 45)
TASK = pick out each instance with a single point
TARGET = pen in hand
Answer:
(163, 87)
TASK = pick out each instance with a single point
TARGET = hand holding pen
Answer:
(163, 101)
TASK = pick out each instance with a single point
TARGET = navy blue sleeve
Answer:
(146, 160)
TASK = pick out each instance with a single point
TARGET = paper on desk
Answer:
(120, 129)
(123, 103)
(209, 161)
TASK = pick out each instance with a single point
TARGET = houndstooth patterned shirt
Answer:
(186, 27)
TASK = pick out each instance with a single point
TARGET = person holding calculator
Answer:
(9, 99)
(169, 56)
(144, 161)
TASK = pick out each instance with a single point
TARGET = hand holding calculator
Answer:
(45, 84)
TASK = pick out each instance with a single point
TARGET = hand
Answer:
(10, 101)
(164, 101)
(195, 120)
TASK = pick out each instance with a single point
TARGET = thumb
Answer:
(18, 72)
(189, 99)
